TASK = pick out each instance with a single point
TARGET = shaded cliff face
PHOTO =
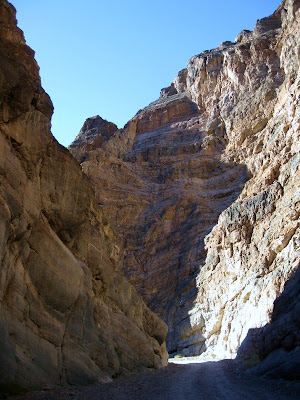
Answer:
(201, 188)
(66, 315)
(154, 194)
(279, 342)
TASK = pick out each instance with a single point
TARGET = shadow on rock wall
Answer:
(275, 347)
(178, 221)
(162, 186)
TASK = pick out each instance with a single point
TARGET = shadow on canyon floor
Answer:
(221, 380)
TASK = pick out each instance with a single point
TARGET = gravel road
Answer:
(221, 380)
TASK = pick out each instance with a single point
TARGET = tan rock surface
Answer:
(215, 158)
(254, 248)
(66, 315)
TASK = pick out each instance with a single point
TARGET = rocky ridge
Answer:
(67, 316)
(202, 188)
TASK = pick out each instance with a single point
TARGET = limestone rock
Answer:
(94, 133)
(67, 316)
(202, 188)
(164, 111)
(277, 344)
(168, 91)
(279, 341)
(244, 36)
(254, 248)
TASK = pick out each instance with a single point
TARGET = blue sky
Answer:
(111, 58)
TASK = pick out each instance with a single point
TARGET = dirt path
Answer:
(221, 380)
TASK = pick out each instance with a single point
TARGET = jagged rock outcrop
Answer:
(67, 316)
(93, 134)
(201, 188)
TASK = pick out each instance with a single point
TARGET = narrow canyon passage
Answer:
(179, 233)
(185, 380)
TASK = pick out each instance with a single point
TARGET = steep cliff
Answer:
(67, 316)
(202, 188)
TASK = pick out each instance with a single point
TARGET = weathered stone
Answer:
(168, 91)
(218, 160)
(93, 134)
(279, 342)
(67, 316)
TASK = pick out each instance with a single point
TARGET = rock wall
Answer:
(67, 316)
(254, 248)
(201, 188)
(279, 341)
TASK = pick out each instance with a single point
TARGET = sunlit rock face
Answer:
(201, 188)
(67, 316)
(254, 248)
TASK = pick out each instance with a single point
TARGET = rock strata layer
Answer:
(67, 316)
(202, 188)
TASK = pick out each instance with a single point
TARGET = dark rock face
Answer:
(279, 341)
(168, 91)
(201, 188)
(284, 329)
(153, 194)
(67, 315)
(268, 24)
(93, 134)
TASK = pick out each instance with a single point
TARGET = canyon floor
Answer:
(183, 379)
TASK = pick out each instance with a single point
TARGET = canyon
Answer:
(202, 188)
(176, 233)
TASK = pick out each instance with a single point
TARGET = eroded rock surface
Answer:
(93, 134)
(279, 341)
(202, 188)
(67, 316)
